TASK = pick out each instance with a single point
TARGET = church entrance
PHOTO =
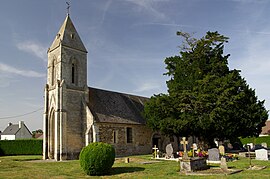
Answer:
(156, 140)
(51, 135)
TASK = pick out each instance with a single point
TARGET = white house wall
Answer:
(7, 137)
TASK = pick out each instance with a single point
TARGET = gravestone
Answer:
(251, 145)
(194, 148)
(155, 151)
(190, 164)
(169, 151)
(261, 154)
(184, 143)
(264, 144)
(213, 154)
(193, 164)
(223, 164)
(229, 146)
(221, 149)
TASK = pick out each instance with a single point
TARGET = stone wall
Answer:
(116, 135)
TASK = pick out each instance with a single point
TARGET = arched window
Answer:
(73, 73)
(53, 72)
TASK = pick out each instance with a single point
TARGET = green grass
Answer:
(256, 140)
(33, 167)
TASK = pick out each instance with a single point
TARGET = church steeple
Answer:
(65, 93)
(68, 36)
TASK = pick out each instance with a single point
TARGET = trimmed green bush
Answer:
(21, 147)
(97, 158)
(256, 140)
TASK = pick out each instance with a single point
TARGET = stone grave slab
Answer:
(261, 154)
(193, 164)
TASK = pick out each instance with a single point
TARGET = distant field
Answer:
(257, 140)
(33, 167)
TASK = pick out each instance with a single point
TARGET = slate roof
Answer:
(114, 107)
(68, 36)
(11, 130)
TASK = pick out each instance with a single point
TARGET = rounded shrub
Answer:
(97, 158)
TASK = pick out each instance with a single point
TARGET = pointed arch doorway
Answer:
(51, 134)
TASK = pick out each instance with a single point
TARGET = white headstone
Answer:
(194, 146)
(251, 145)
(261, 154)
(264, 144)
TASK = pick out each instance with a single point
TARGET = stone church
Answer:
(76, 115)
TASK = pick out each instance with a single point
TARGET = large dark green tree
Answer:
(205, 98)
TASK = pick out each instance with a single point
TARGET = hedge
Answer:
(21, 147)
(256, 140)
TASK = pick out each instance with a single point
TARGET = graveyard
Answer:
(138, 167)
(196, 161)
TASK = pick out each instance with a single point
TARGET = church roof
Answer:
(68, 36)
(114, 107)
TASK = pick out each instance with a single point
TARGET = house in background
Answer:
(266, 128)
(16, 131)
(37, 135)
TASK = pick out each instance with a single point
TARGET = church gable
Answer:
(114, 107)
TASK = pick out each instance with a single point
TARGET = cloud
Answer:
(148, 5)
(33, 48)
(4, 80)
(106, 7)
(147, 87)
(250, 1)
(257, 56)
(26, 73)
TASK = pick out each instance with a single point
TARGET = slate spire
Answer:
(68, 37)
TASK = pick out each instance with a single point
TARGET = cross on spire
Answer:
(68, 7)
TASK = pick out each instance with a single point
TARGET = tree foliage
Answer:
(205, 98)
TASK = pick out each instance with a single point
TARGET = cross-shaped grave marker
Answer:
(155, 151)
(184, 143)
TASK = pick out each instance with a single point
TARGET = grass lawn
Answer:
(33, 167)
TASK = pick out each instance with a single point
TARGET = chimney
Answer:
(9, 124)
(21, 123)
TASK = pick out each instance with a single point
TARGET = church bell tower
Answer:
(66, 93)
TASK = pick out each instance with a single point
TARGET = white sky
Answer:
(127, 41)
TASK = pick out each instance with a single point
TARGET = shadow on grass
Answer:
(119, 170)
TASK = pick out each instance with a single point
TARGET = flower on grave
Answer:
(201, 153)
(180, 154)
(189, 153)
(230, 157)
